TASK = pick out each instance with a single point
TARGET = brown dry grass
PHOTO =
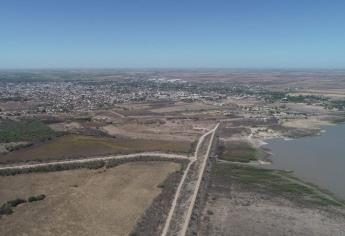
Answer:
(74, 146)
(83, 202)
(183, 107)
(169, 129)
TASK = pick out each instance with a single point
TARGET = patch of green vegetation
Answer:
(7, 208)
(338, 104)
(16, 202)
(273, 96)
(77, 146)
(239, 152)
(274, 182)
(305, 99)
(24, 130)
(36, 198)
(13, 99)
(81, 119)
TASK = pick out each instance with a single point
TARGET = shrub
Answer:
(5, 209)
(36, 198)
(16, 202)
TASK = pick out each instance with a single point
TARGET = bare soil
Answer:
(83, 202)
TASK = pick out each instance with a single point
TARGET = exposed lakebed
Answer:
(319, 159)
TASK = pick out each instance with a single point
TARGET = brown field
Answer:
(180, 107)
(75, 146)
(169, 129)
(83, 202)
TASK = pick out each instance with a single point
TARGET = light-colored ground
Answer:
(246, 214)
(62, 127)
(162, 129)
(83, 202)
(305, 108)
(178, 107)
(332, 93)
(311, 123)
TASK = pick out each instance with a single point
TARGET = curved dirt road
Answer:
(92, 159)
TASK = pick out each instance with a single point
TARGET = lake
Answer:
(319, 159)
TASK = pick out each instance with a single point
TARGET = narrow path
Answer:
(177, 195)
(179, 189)
(191, 206)
(104, 158)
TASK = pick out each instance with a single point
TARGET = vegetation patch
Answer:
(77, 146)
(239, 152)
(15, 202)
(24, 130)
(274, 182)
(36, 198)
(7, 208)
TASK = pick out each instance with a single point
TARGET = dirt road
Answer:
(189, 209)
(201, 159)
(104, 158)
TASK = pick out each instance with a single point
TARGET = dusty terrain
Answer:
(238, 204)
(83, 202)
(249, 213)
(163, 129)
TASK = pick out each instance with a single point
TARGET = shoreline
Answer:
(271, 165)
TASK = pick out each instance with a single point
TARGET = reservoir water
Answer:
(319, 160)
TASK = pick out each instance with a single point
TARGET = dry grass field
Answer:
(244, 200)
(75, 146)
(83, 202)
(169, 129)
(183, 107)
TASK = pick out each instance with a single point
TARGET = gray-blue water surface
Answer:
(319, 160)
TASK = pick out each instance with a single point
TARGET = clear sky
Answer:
(172, 33)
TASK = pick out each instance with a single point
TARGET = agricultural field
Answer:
(83, 202)
(78, 146)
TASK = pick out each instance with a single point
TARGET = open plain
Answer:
(162, 153)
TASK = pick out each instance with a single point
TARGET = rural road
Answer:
(196, 189)
(192, 159)
(92, 159)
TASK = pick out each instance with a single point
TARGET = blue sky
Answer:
(172, 33)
